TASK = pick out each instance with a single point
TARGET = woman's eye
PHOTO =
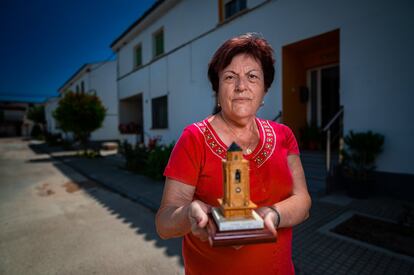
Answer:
(252, 76)
(229, 77)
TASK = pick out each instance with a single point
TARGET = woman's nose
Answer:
(241, 84)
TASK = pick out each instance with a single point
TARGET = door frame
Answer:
(318, 93)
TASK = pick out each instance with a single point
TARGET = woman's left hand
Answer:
(269, 218)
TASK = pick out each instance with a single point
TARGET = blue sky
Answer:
(43, 42)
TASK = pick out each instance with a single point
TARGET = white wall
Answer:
(180, 24)
(376, 78)
(376, 42)
(102, 79)
(51, 123)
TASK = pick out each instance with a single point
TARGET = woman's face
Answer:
(241, 87)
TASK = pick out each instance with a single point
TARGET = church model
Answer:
(235, 222)
(236, 202)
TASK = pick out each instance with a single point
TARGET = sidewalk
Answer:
(108, 171)
(315, 249)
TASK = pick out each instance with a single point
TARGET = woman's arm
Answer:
(294, 209)
(179, 214)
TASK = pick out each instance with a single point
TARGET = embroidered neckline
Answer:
(264, 149)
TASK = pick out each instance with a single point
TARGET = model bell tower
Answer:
(236, 200)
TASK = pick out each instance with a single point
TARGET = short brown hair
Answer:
(251, 44)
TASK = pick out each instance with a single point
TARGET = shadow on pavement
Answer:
(42, 148)
(41, 160)
(133, 216)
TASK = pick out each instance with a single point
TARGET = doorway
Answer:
(310, 85)
(323, 103)
(131, 121)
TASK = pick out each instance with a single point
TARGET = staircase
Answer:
(315, 171)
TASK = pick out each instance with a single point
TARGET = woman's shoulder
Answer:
(278, 127)
(194, 130)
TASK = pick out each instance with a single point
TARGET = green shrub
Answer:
(360, 153)
(146, 160)
(157, 160)
(135, 156)
(36, 132)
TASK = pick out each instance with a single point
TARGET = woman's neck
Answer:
(240, 124)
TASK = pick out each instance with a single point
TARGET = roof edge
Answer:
(73, 76)
(137, 22)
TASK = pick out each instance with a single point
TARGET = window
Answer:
(233, 7)
(138, 55)
(82, 87)
(77, 88)
(158, 42)
(160, 112)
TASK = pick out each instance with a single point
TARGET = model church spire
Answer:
(236, 199)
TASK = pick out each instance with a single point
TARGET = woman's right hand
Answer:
(197, 214)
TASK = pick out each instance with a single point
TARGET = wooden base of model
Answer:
(236, 236)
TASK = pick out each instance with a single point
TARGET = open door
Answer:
(310, 83)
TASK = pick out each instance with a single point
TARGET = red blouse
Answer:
(197, 160)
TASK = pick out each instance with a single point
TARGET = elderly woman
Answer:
(241, 72)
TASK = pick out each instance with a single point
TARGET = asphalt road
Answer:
(55, 221)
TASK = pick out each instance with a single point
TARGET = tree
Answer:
(37, 115)
(81, 114)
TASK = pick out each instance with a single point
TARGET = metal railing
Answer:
(329, 139)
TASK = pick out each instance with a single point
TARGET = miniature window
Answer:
(238, 178)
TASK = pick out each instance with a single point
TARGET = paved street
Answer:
(55, 218)
(55, 221)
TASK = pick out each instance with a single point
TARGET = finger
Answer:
(203, 221)
(198, 214)
(269, 223)
(205, 207)
(262, 211)
(202, 234)
(194, 227)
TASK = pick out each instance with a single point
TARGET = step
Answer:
(317, 156)
(316, 188)
(315, 171)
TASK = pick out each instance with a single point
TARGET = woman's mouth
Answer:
(241, 99)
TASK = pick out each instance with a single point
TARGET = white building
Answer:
(51, 123)
(355, 54)
(100, 79)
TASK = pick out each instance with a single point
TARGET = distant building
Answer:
(354, 54)
(96, 78)
(13, 121)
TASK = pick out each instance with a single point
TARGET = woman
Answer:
(241, 72)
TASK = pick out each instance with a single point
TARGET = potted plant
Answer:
(359, 157)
